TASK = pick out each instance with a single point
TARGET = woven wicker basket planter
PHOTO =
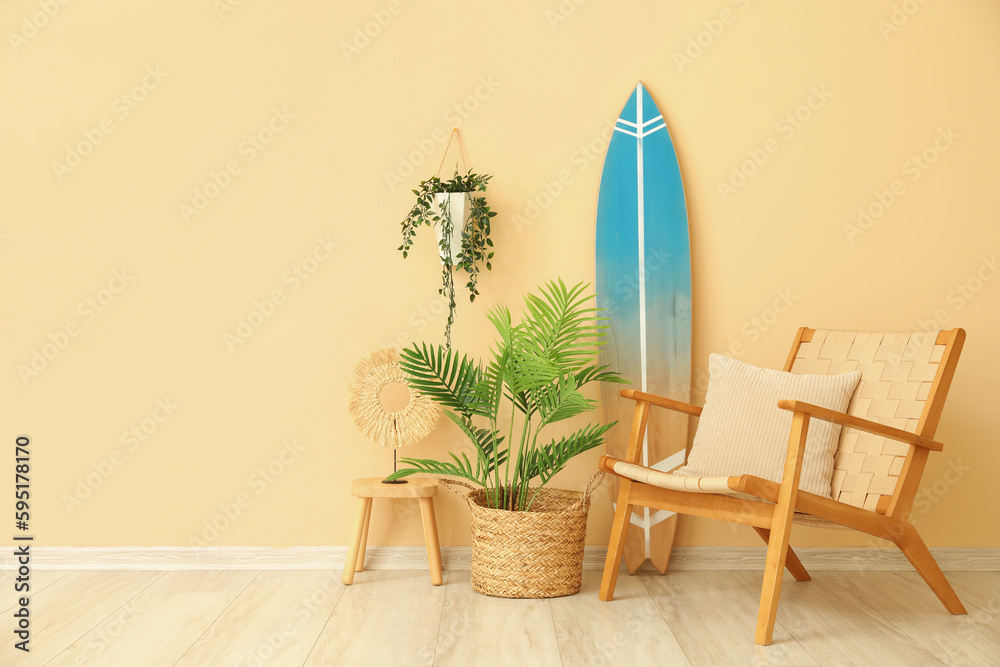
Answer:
(533, 554)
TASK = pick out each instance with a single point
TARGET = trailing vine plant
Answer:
(476, 248)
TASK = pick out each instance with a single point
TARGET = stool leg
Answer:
(364, 538)
(364, 504)
(431, 538)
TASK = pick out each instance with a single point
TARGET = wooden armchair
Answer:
(886, 436)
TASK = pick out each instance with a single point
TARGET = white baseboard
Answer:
(459, 558)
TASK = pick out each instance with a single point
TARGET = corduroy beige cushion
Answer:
(743, 431)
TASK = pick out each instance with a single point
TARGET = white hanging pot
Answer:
(458, 208)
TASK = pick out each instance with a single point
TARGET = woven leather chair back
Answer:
(897, 388)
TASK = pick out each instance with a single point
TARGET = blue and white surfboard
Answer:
(644, 283)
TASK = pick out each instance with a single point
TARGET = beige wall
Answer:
(533, 92)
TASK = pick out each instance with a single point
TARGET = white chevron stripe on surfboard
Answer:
(644, 124)
(641, 131)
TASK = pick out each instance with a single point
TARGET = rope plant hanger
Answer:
(462, 154)
(383, 423)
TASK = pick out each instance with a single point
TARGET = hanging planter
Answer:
(453, 206)
(460, 217)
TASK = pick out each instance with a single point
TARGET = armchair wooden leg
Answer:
(920, 557)
(781, 530)
(792, 562)
(616, 544)
(777, 550)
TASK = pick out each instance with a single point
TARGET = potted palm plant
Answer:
(461, 219)
(534, 379)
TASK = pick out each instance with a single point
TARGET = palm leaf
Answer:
(562, 326)
(490, 387)
(530, 370)
(595, 373)
(485, 443)
(461, 467)
(560, 400)
(553, 457)
(439, 374)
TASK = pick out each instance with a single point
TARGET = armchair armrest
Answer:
(861, 424)
(661, 402)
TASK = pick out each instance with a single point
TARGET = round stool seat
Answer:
(415, 487)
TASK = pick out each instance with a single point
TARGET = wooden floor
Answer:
(247, 618)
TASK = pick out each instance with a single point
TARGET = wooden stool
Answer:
(421, 488)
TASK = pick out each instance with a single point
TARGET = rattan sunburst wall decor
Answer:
(387, 425)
